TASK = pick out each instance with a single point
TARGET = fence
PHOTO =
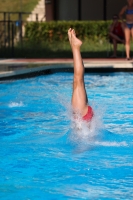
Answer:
(12, 32)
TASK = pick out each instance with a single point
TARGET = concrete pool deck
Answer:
(19, 68)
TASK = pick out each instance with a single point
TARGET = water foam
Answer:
(85, 135)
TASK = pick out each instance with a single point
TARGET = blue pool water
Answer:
(42, 157)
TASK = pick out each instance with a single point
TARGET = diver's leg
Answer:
(79, 96)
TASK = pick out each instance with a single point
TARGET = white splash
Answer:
(111, 144)
(16, 104)
(84, 134)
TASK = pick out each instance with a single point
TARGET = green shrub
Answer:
(57, 30)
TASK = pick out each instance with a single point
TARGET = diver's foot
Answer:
(74, 41)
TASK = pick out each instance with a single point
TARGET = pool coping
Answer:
(25, 68)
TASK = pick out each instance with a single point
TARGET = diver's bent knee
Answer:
(78, 83)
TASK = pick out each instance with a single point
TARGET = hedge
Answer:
(57, 30)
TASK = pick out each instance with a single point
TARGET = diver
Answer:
(79, 97)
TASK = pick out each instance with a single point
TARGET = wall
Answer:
(67, 9)
(114, 7)
(91, 9)
(88, 10)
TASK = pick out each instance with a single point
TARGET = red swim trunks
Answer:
(88, 115)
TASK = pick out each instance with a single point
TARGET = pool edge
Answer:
(46, 66)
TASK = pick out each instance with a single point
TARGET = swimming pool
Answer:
(41, 157)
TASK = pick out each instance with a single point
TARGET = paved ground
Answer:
(66, 60)
(18, 67)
